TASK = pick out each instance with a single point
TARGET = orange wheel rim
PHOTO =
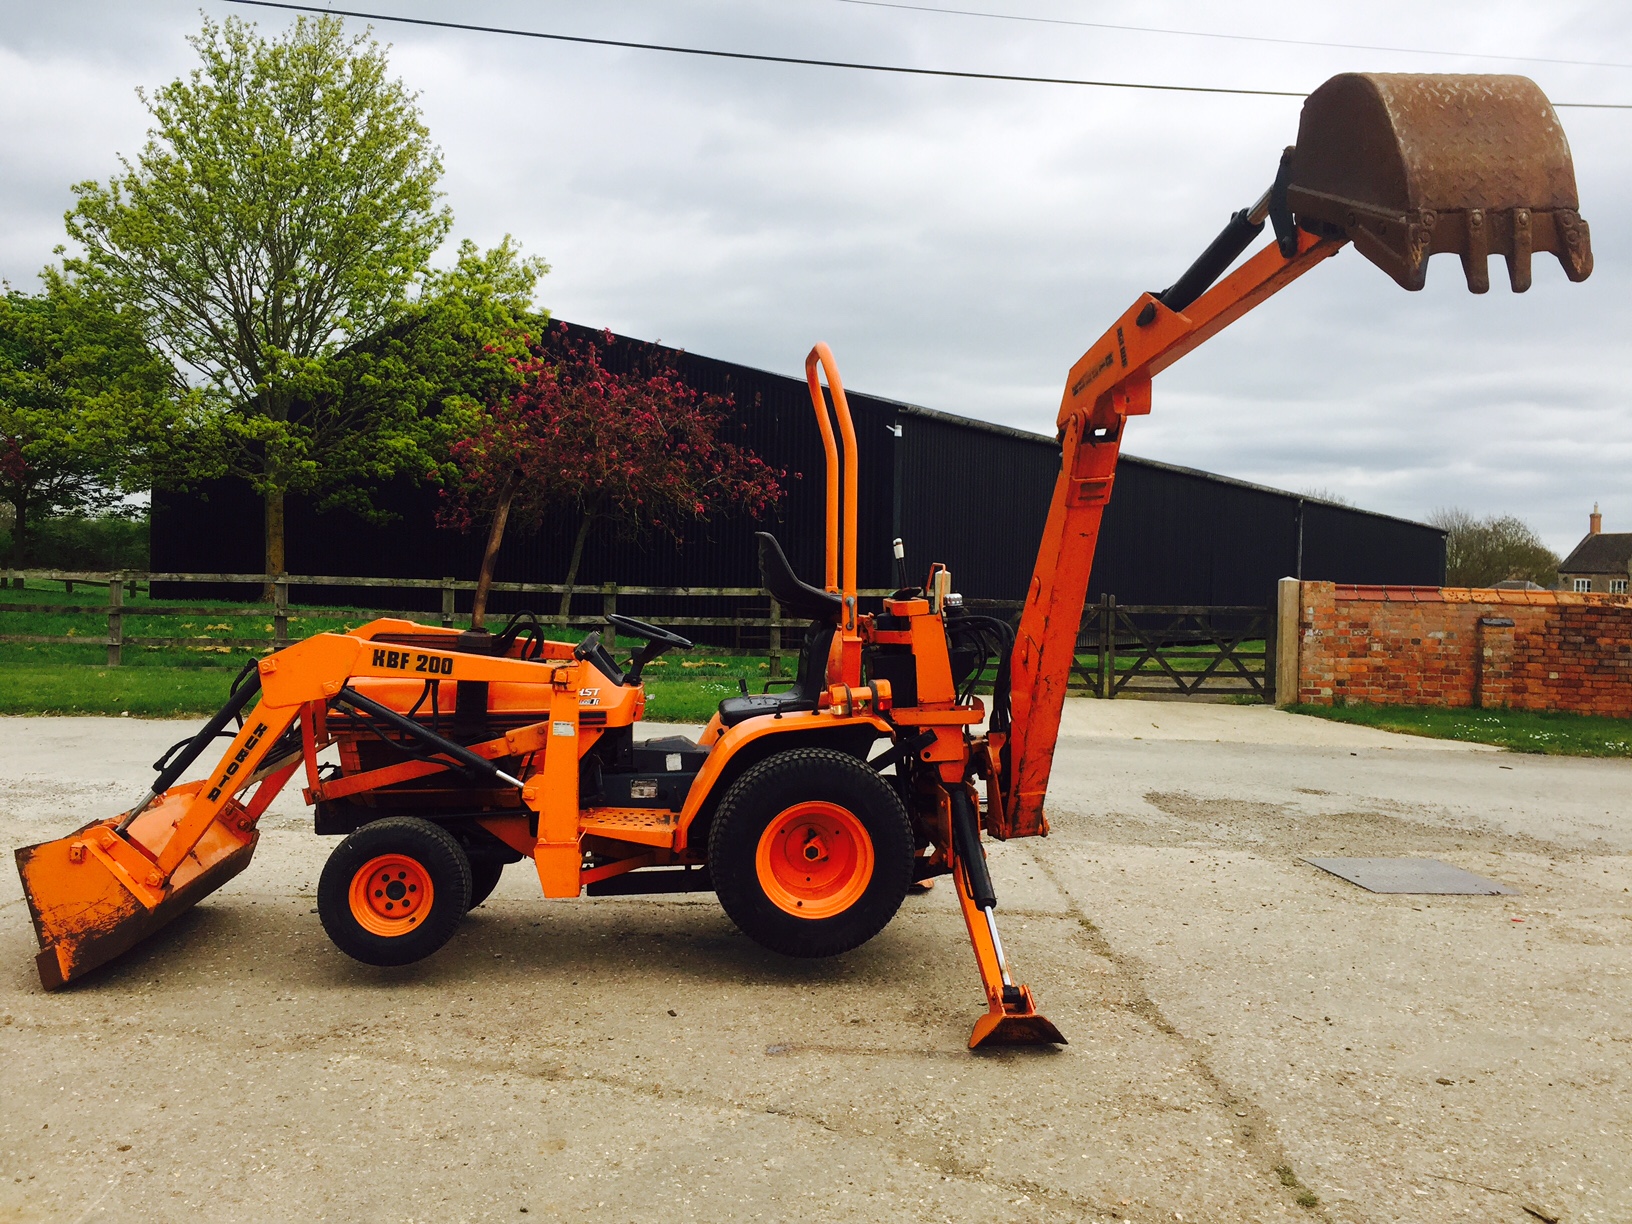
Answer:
(390, 895)
(814, 860)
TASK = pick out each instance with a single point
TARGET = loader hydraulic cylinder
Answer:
(182, 761)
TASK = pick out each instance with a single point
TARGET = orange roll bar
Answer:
(823, 356)
(823, 423)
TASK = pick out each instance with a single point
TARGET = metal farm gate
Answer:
(1168, 649)
(1176, 648)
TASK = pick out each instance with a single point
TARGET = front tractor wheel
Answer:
(811, 852)
(394, 891)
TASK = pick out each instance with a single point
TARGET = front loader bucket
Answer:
(1408, 166)
(92, 898)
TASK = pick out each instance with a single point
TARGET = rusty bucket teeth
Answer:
(1408, 166)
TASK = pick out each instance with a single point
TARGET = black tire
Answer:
(767, 793)
(424, 852)
(484, 878)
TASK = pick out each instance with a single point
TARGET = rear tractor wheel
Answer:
(394, 891)
(811, 852)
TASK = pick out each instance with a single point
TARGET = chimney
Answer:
(1595, 521)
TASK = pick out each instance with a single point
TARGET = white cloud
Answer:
(961, 243)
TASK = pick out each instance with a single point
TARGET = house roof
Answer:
(1604, 553)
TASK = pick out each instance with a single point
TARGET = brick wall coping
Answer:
(1475, 595)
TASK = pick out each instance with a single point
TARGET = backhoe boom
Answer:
(1110, 383)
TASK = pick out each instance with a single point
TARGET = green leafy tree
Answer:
(395, 401)
(282, 209)
(1482, 552)
(85, 404)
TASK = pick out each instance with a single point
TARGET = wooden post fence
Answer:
(1107, 646)
(776, 640)
(117, 610)
(116, 622)
(1176, 649)
(280, 615)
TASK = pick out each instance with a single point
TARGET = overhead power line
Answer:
(814, 63)
(1258, 38)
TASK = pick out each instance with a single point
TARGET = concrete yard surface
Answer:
(1251, 1038)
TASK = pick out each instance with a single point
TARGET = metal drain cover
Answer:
(1411, 875)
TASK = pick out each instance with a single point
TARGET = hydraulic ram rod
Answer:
(179, 764)
(465, 757)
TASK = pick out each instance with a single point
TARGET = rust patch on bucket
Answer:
(1407, 166)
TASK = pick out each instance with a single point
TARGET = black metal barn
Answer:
(968, 493)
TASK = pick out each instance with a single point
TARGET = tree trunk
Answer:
(495, 536)
(19, 538)
(572, 569)
(274, 540)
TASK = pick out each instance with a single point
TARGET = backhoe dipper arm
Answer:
(1110, 383)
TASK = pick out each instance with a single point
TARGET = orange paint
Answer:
(814, 860)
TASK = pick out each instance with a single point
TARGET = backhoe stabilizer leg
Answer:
(1012, 1017)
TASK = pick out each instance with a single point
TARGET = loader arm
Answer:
(102, 889)
(1110, 383)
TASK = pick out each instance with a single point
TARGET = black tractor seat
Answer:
(802, 695)
(800, 600)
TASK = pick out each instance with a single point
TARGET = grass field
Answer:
(1556, 734)
(193, 677)
(672, 695)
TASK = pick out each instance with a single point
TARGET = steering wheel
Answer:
(652, 633)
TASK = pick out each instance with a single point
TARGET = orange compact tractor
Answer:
(809, 811)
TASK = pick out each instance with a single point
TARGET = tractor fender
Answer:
(754, 739)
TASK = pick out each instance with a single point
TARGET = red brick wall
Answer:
(1452, 647)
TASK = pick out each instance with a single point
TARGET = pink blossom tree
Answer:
(641, 451)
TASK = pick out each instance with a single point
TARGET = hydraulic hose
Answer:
(175, 766)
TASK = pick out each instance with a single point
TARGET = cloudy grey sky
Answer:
(960, 243)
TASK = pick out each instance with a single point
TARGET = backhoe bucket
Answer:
(1408, 166)
(95, 893)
